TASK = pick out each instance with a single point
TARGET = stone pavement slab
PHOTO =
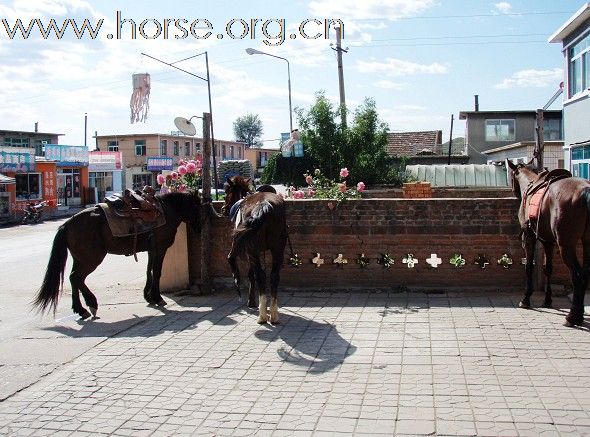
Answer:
(340, 363)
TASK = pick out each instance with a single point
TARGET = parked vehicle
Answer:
(33, 212)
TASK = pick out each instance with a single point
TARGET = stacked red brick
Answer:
(417, 190)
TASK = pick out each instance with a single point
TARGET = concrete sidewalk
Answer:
(361, 363)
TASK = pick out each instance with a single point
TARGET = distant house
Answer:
(423, 147)
(490, 130)
(258, 157)
(574, 35)
(523, 152)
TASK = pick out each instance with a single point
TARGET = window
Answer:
(582, 152)
(579, 66)
(187, 148)
(176, 148)
(113, 146)
(552, 129)
(16, 142)
(141, 180)
(500, 130)
(231, 152)
(223, 151)
(140, 148)
(197, 148)
(164, 147)
(28, 186)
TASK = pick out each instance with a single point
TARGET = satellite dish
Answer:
(185, 126)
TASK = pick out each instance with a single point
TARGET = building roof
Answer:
(22, 132)
(523, 144)
(412, 143)
(464, 114)
(572, 24)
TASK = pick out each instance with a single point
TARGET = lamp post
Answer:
(251, 51)
(171, 64)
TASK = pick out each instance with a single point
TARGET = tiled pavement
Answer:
(340, 363)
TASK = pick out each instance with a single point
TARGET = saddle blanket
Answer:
(126, 226)
(535, 204)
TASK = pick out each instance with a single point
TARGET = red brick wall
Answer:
(397, 227)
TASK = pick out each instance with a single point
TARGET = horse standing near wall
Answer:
(88, 237)
(260, 225)
(554, 209)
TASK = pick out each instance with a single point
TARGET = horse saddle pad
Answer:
(535, 203)
(126, 226)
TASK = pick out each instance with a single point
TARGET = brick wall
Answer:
(442, 192)
(397, 227)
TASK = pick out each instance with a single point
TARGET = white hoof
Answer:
(93, 311)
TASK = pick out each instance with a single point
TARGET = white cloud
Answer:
(397, 67)
(532, 79)
(369, 9)
(503, 7)
(389, 85)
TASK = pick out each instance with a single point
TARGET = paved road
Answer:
(342, 363)
(26, 349)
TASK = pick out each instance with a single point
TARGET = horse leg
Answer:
(235, 272)
(548, 270)
(579, 278)
(157, 273)
(147, 289)
(78, 276)
(76, 280)
(277, 263)
(252, 289)
(529, 243)
(261, 280)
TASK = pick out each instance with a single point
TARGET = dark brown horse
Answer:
(88, 238)
(260, 225)
(563, 219)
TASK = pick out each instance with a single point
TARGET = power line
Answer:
(461, 37)
(442, 17)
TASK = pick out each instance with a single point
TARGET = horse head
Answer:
(236, 188)
(520, 176)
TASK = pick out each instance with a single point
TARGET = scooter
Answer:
(33, 212)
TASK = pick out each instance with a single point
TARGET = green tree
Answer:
(248, 129)
(322, 134)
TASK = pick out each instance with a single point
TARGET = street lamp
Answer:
(251, 51)
(171, 64)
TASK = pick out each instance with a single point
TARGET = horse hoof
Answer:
(275, 322)
(571, 324)
(547, 305)
(526, 306)
(252, 304)
(162, 303)
(93, 311)
(85, 315)
(262, 321)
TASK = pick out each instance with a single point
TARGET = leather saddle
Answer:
(535, 192)
(142, 205)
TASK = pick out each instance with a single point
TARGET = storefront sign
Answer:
(19, 160)
(67, 156)
(104, 161)
(159, 163)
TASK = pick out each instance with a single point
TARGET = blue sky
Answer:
(421, 60)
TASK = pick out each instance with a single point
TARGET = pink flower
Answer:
(298, 194)
(342, 187)
(161, 179)
(191, 167)
(182, 162)
(182, 170)
(182, 188)
(311, 193)
(308, 180)
(360, 187)
(344, 172)
(174, 175)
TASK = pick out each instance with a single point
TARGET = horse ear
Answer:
(512, 166)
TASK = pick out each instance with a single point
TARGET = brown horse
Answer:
(563, 219)
(260, 225)
(88, 238)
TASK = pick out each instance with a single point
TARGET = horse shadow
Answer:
(170, 320)
(316, 346)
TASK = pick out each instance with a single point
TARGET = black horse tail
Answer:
(54, 275)
(245, 231)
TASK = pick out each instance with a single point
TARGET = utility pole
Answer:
(339, 51)
(451, 138)
(205, 214)
(540, 143)
(85, 130)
